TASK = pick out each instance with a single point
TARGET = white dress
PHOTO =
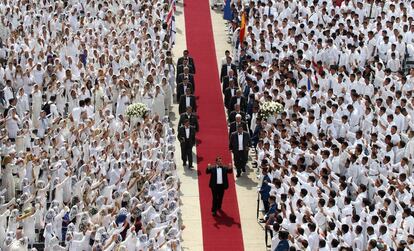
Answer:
(9, 183)
(29, 228)
(36, 108)
(12, 126)
(3, 226)
(22, 105)
(121, 105)
(167, 97)
(158, 106)
(147, 100)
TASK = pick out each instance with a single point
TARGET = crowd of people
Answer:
(337, 164)
(76, 172)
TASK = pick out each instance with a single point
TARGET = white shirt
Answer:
(187, 133)
(219, 176)
(240, 137)
(187, 101)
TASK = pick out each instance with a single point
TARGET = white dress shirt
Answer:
(219, 176)
(240, 137)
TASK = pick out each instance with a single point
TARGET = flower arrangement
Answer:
(136, 110)
(270, 108)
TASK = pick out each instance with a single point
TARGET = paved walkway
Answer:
(253, 235)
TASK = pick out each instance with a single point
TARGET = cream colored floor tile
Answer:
(191, 214)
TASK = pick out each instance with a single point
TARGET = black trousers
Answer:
(187, 153)
(266, 205)
(240, 160)
(218, 194)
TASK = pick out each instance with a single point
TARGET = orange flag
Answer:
(242, 27)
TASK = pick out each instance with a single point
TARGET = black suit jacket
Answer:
(180, 90)
(213, 176)
(234, 141)
(182, 105)
(183, 139)
(243, 103)
(192, 118)
(227, 97)
(190, 62)
(226, 81)
(224, 73)
(233, 127)
(180, 78)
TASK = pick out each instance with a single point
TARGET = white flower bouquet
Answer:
(270, 108)
(136, 110)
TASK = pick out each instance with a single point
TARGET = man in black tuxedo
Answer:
(185, 74)
(234, 125)
(187, 100)
(182, 87)
(185, 64)
(186, 136)
(233, 114)
(228, 79)
(239, 145)
(192, 117)
(238, 99)
(229, 93)
(218, 183)
(188, 58)
(225, 69)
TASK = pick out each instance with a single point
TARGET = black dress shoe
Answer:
(184, 163)
(244, 170)
(238, 175)
(214, 213)
(190, 167)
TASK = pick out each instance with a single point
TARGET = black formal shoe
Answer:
(244, 170)
(184, 163)
(238, 175)
(190, 167)
(214, 213)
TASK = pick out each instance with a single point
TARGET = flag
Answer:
(228, 14)
(170, 13)
(242, 27)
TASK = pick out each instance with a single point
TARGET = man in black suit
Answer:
(233, 114)
(238, 99)
(229, 93)
(234, 125)
(226, 68)
(239, 145)
(228, 79)
(192, 117)
(218, 183)
(185, 64)
(188, 58)
(182, 87)
(185, 74)
(186, 136)
(187, 100)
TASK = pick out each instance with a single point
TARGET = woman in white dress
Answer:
(167, 95)
(171, 72)
(158, 106)
(12, 123)
(36, 105)
(122, 103)
(8, 179)
(22, 105)
(147, 96)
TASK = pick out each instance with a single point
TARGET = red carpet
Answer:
(222, 232)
